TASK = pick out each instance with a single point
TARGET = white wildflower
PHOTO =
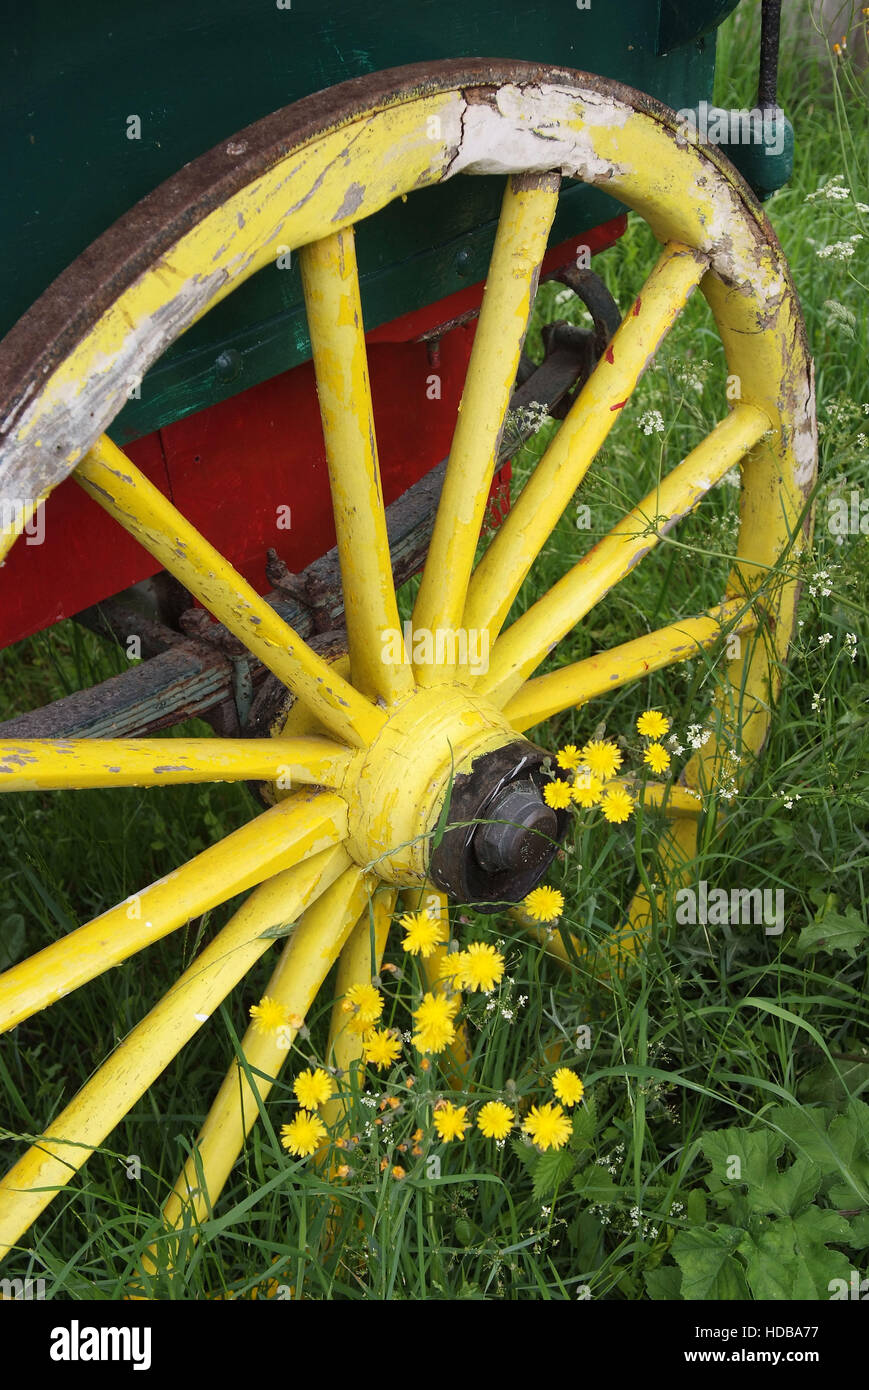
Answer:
(651, 422)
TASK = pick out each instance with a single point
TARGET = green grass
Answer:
(721, 1041)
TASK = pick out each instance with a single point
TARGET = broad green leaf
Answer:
(849, 1134)
(806, 1130)
(834, 931)
(706, 1259)
(552, 1169)
(787, 1193)
(741, 1156)
(790, 1258)
(695, 1206)
(664, 1284)
(526, 1154)
(834, 1083)
(859, 1237)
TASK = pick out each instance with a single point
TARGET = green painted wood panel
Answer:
(196, 71)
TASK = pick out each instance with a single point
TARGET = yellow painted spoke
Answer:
(134, 1066)
(111, 479)
(524, 645)
(331, 286)
(676, 852)
(303, 825)
(356, 967)
(526, 216)
(305, 962)
(668, 797)
(52, 764)
(459, 1050)
(582, 681)
(499, 575)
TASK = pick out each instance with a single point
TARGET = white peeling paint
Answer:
(531, 131)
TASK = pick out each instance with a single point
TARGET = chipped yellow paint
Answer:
(396, 787)
(524, 645)
(523, 227)
(574, 685)
(145, 1052)
(113, 480)
(303, 826)
(50, 764)
(331, 286)
(534, 514)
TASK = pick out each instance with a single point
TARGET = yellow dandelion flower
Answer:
(451, 1121)
(567, 1086)
(617, 805)
(451, 967)
(495, 1120)
(569, 757)
(435, 1029)
(557, 794)
(424, 933)
(548, 1126)
(602, 757)
(313, 1088)
(544, 904)
(381, 1048)
(652, 724)
(657, 757)
(586, 789)
(304, 1135)
(268, 1015)
(365, 1005)
(482, 969)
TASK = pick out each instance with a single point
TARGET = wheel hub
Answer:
(447, 793)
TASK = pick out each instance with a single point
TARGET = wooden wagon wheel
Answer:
(374, 749)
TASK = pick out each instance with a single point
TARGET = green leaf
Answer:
(790, 1259)
(553, 1168)
(706, 1259)
(695, 1206)
(526, 1154)
(664, 1284)
(832, 1084)
(849, 1134)
(805, 1128)
(597, 1185)
(12, 939)
(834, 931)
(787, 1193)
(741, 1156)
(584, 1124)
(859, 1237)
(464, 1232)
